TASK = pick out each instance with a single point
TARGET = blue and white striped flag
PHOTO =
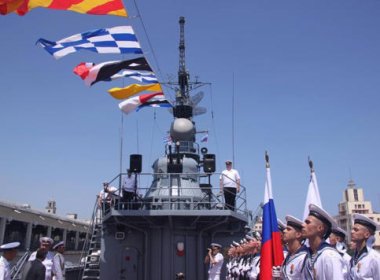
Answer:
(119, 39)
(147, 78)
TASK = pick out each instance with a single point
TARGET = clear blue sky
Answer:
(307, 83)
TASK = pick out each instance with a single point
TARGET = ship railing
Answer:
(175, 191)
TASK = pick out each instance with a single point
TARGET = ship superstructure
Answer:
(168, 226)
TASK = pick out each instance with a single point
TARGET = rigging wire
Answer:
(148, 39)
(213, 121)
(233, 117)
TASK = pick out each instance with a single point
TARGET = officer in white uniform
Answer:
(336, 239)
(322, 261)
(365, 263)
(9, 253)
(45, 244)
(59, 261)
(292, 265)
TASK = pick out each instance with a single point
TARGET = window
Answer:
(356, 197)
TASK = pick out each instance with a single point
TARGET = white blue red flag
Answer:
(145, 100)
(271, 249)
(119, 39)
(205, 138)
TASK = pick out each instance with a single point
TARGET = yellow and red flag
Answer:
(93, 7)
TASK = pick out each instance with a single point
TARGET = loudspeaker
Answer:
(209, 163)
(135, 163)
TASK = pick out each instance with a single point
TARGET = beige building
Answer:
(354, 202)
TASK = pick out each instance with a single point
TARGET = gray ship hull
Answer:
(143, 244)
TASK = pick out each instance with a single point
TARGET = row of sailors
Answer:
(42, 264)
(319, 259)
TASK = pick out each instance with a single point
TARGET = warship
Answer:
(168, 226)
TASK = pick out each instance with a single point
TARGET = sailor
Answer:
(235, 265)
(215, 260)
(230, 264)
(253, 249)
(229, 185)
(59, 261)
(129, 188)
(9, 253)
(336, 239)
(281, 227)
(322, 261)
(35, 270)
(45, 244)
(106, 196)
(365, 263)
(292, 265)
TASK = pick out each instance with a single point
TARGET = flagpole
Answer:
(310, 164)
(267, 165)
(121, 141)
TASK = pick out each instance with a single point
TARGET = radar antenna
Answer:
(182, 96)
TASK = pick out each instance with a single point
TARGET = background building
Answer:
(353, 202)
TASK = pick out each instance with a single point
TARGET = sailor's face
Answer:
(359, 233)
(311, 226)
(289, 234)
(333, 239)
(45, 245)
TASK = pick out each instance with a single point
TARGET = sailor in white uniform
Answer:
(45, 244)
(281, 227)
(292, 265)
(59, 261)
(322, 262)
(336, 239)
(253, 248)
(365, 263)
(215, 260)
(9, 253)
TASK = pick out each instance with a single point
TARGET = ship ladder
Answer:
(15, 271)
(91, 248)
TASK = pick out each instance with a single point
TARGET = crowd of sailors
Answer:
(313, 249)
(46, 263)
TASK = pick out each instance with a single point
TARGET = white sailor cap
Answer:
(216, 245)
(339, 232)
(236, 244)
(256, 235)
(228, 161)
(9, 246)
(365, 221)
(46, 239)
(281, 225)
(293, 222)
(62, 243)
(243, 241)
(323, 216)
(249, 238)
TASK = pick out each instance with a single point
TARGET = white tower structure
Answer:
(354, 202)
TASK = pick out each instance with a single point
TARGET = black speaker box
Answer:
(209, 163)
(135, 163)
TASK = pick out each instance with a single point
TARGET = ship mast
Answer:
(182, 96)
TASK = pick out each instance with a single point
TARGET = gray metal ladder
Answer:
(92, 246)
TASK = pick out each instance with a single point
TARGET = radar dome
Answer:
(182, 130)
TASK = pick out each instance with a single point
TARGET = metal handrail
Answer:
(15, 271)
(211, 198)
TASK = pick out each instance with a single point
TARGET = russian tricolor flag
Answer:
(271, 248)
